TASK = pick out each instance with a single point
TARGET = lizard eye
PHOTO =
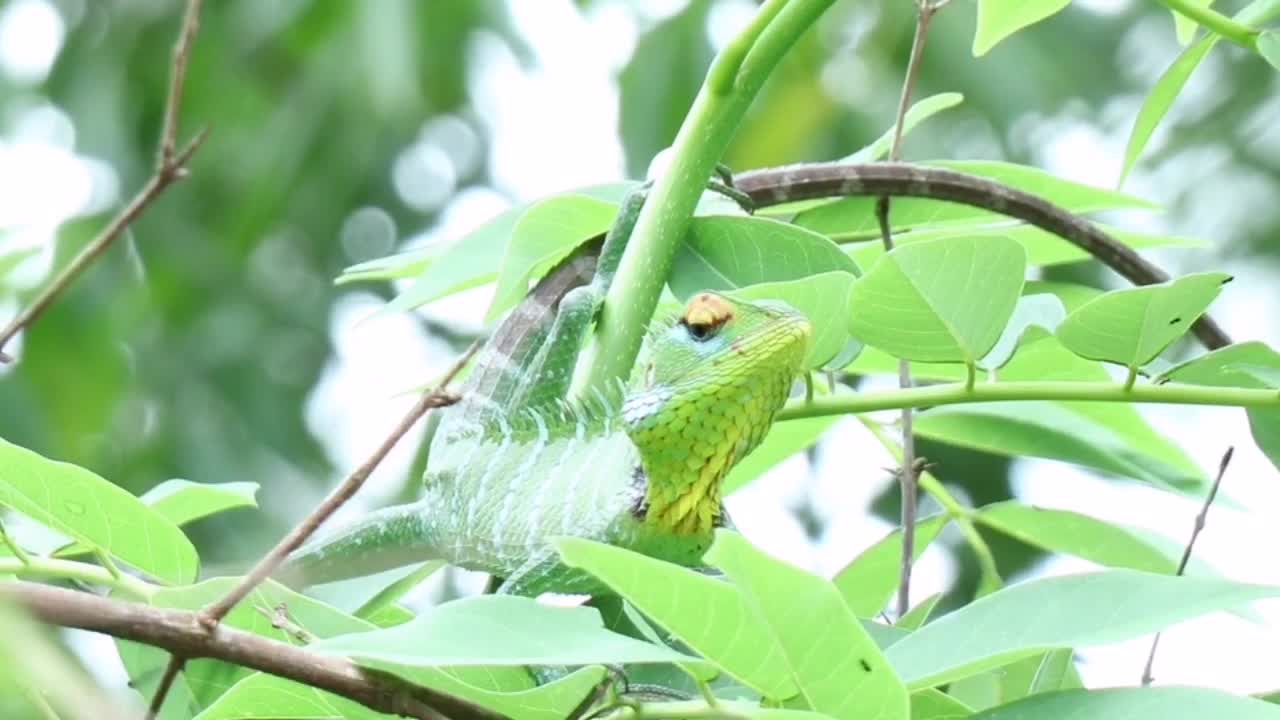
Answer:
(700, 331)
(705, 315)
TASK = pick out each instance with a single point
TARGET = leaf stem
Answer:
(733, 81)
(52, 569)
(14, 547)
(1236, 32)
(957, 393)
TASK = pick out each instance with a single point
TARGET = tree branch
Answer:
(171, 166)
(181, 633)
(792, 183)
(209, 617)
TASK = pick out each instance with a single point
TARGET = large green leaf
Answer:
(871, 578)
(1059, 612)
(85, 507)
(1044, 311)
(498, 630)
(265, 696)
(182, 501)
(1131, 326)
(930, 704)
(941, 301)
(710, 616)
(1152, 703)
(1239, 365)
(1076, 534)
(725, 252)
(837, 667)
(464, 263)
(998, 19)
(547, 232)
(1112, 437)
(823, 299)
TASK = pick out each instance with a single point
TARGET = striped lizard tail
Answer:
(388, 538)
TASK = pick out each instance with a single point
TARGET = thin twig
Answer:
(171, 166)
(212, 614)
(179, 632)
(171, 670)
(1186, 551)
(440, 397)
(907, 478)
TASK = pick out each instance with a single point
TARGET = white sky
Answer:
(44, 181)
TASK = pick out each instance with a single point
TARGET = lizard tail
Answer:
(385, 539)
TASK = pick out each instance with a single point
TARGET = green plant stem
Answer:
(957, 393)
(44, 568)
(733, 81)
(1236, 32)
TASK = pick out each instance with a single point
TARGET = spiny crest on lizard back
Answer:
(715, 379)
(488, 418)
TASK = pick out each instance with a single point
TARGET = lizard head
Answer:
(716, 377)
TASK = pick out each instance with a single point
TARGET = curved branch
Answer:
(774, 186)
(181, 633)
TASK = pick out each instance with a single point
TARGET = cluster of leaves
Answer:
(747, 640)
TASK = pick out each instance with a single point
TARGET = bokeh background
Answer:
(212, 344)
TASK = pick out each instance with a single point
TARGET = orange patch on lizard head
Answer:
(706, 313)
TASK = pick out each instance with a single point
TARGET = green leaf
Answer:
(725, 252)
(266, 696)
(1151, 703)
(916, 616)
(182, 501)
(498, 630)
(1269, 48)
(83, 506)
(941, 301)
(1076, 534)
(783, 441)
(1112, 437)
(1185, 27)
(709, 615)
(1238, 365)
(547, 232)
(835, 663)
(1161, 98)
(930, 704)
(1059, 612)
(871, 578)
(471, 260)
(822, 299)
(1043, 311)
(998, 19)
(391, 594)
(919, 112)
(1131, 326)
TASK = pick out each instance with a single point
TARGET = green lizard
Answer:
(514, 464)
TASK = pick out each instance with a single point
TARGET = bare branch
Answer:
(171, 166)
(907, 478)
(181, 633)
(1186, 551)
(440, 397)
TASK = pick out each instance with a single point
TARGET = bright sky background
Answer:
(44, 181)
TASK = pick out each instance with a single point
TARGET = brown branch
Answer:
(181, 633)
(440, 397)
(772, 186)
(1186, 551)
(907, 478)
(211, 615)
(171, 166)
